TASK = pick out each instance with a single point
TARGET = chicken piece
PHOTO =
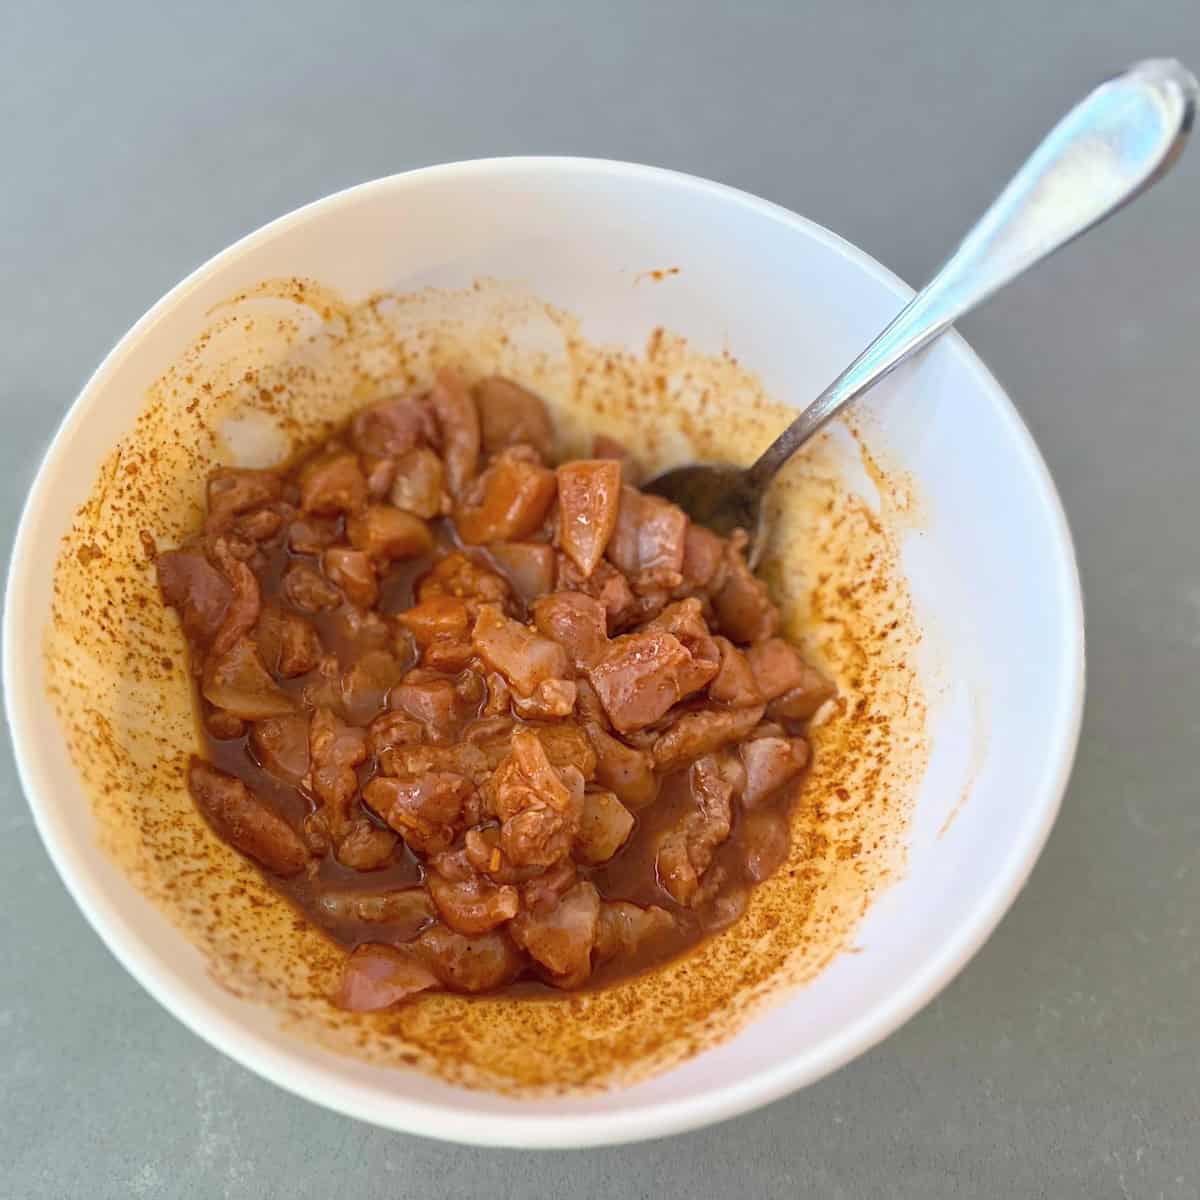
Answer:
(648, 541)
(415, 762)
(529, 662)
(353, 573)
(379, 474)
(566, 744)
(390, 730)
(392, 427)
(287, 644)
(466, 901)
(778, 667)
(245, 603)
(543, 890)
(508, 502)
(810, 689)
(233, 491)
(765, 842)
(604, 827)
(605, 584)
(365, 685)
(311, 535)
(364, 846)
(192, 586)
(261, 525)
(625, 927)
(770, 763)
(308, 590)
(470, 964)
(686, 621)
(439, 618)
(433, 701)
(406, 911)
(697, 733)
(335, 749)
(686, 851)
(457, 422)
(539, 807)
(561, 939)
(238, 682)
(703, 559)
(528, 567)
(734, 684)
(511, 416)
(589, 495)
(388, 534)
(743, 606)
(376, 976)
(576, 622)
(426, 810)
(280, 745)
(245, 821)
(332, 483)
(224, 725)
(624, 769)
(419, 484)
(459, 576)
(641, 676)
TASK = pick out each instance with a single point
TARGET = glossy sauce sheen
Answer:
(757, 839)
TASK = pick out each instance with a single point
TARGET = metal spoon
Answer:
(1115, 143)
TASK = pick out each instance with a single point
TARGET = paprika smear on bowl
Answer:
(484, 718)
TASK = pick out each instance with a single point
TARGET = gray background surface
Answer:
(139, 139)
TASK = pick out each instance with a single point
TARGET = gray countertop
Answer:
(139, 139)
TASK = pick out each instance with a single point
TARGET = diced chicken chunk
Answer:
(332, 483)
(625, 928)
(281, 746)
(527, 660)
(686, 851)
(389, 428)
(245, 821)
(640, 677)
(425, 811)
(576, 622)
(377, 976)
(735, 683)
(770, 763)
(745, 612)
(197, 590)
(589, 495)
(466, 901)
(238, 682)
(539, 808)
(561, 939)
(511, 416)
(648, 542)
(308, 590)
(353, 573)
(604, 827)
(528, 567)
(470, 964)
(236, 490)
(388, 534)
(698, 733)
(457, 420)
(508, 502)
(419, 484)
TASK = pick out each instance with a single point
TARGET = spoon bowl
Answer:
(1115, 143)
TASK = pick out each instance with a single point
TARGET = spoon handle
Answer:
(1114, 144)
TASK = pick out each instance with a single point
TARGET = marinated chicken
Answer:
(483, 716)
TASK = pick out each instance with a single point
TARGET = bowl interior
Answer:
(987, 557)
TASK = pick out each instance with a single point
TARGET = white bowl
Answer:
(992, 572)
